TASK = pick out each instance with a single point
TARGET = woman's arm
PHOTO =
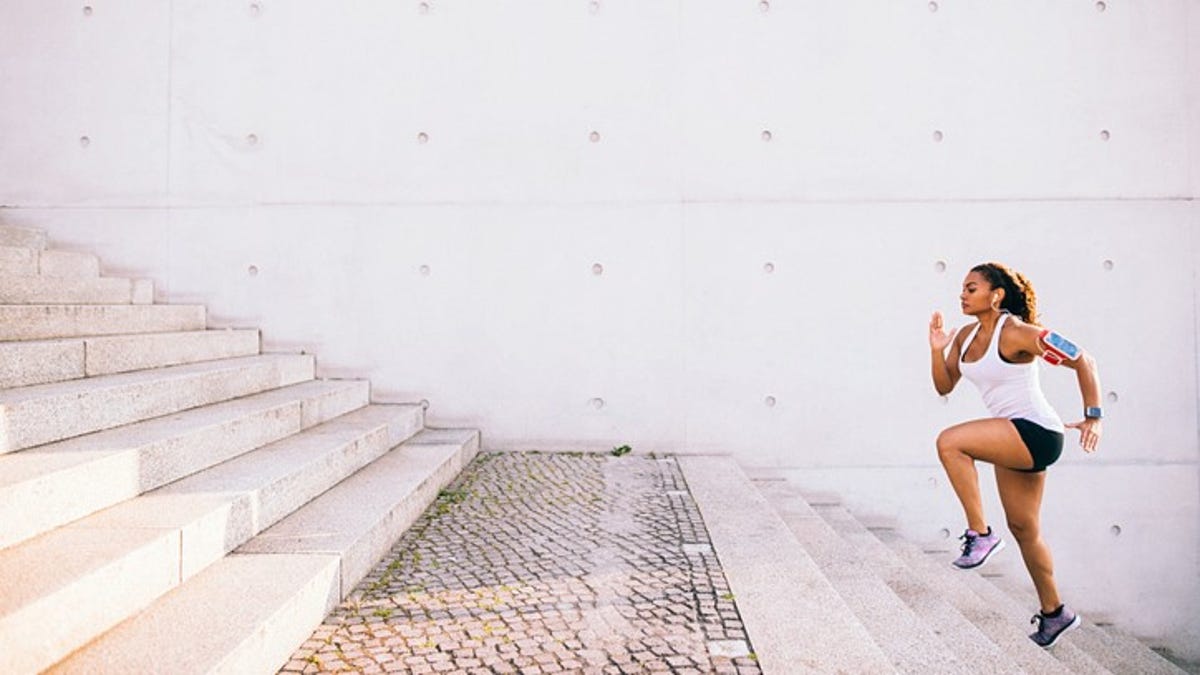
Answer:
(1025, 338)
(944, 368)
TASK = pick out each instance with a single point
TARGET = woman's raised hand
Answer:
(939, 339)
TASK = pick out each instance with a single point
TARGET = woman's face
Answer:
(977, 294)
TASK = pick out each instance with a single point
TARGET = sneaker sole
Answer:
(998, 547)
(1069, 627)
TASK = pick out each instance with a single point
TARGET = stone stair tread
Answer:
(201, 518)
(360, 518)
(244, 614)
(898, 631)
(251, 492)
(51, 485)
(1066, 650)
(791, 612)
(45, 413)
(1005, 629)
(22, 237)
(48, 618)
(36, 362)
(18, 261)
(45, 290)
(956, 631)
(38, 322)
(1110, 646)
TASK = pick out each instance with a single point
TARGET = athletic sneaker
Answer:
(1051, 627)
(977, 548)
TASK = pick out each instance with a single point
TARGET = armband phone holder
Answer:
(1058, 348)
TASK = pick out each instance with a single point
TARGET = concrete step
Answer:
(895, 627)
(16, 261)
(67, 264)
(1110, 646)
(41, 322)
(31, 416)
(187, 526)
(792, 613)
(44, 361)
(1008, 631)
(22, 237)
(956, 632)
(360, 518)
(251, 610)
(244, 614)
(51, 485)
(41, 290)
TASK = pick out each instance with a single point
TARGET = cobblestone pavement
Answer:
(544, 563)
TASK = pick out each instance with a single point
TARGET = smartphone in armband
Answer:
(1058, 348)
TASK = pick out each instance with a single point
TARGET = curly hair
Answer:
(1019, 296)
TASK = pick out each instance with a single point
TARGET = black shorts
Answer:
(1044, 445)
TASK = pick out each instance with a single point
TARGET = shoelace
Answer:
(1038, 619)
(968, 543)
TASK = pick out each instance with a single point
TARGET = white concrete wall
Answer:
(458, 266)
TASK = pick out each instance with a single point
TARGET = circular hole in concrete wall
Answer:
(251, 139)
(945, 532)
(84, 141)
(1101, 6)
(1112, 397)
(938, 136)
(425, 404)
(424, 270)
(252, 270)
(766, 135)
(1116, 530)
(422, 138)
(594, 137)
(939, 266)
(933, 7)
(594, 7)
(597, 403)
(423, 8)
(1108, 265)
(597, 269)
(1104, 135)
(87, 10)
(764, 6)
(769, 268)
(255, 9)
(769, 401)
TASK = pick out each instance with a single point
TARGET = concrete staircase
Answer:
(885, 604)
(172, 499)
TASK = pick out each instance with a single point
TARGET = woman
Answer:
(999, 355)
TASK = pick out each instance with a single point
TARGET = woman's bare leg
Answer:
(995, 441)
(1021, 495)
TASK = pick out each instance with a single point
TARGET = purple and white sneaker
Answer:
(977, 548)
(1050, 628)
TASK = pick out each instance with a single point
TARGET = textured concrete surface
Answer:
(15, 261)
(232, 618)
(65, 291)
(792, 611)
(40, 414)
(27, 363)
(544, 563)
(53, 263)
(124, 353)
(22, 237)
(360, 518)
(37, 322)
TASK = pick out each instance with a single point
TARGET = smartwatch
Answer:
(1093, 413)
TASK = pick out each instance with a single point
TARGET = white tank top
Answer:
(1010, 390)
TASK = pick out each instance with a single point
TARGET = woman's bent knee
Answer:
(946, 446)
(1024, 531)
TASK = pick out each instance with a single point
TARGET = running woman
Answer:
(998, 353)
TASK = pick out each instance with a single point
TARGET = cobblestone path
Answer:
(544, 563)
